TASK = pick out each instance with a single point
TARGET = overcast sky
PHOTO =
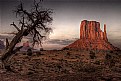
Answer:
(67, 17)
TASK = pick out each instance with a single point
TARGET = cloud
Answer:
(115, 42)
(57, 43)
(61, 41)
(6, 36)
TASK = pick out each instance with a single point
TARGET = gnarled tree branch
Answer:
(7, 43)
(15, 26)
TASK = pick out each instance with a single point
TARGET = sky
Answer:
(67, 16)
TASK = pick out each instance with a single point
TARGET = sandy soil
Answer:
(64, 65)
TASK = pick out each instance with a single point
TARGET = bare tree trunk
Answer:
(9, 51)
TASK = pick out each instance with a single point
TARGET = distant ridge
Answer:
(2, 46)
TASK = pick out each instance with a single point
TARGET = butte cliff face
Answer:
(91, 30)
(92, 37)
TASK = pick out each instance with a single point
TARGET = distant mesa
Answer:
(26, 46)
(2, 46)
(92, 37)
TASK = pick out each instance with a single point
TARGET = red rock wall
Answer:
(91, 30)
(105, 34)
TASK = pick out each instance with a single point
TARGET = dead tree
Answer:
(34, 23)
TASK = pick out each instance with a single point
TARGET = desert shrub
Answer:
(65, 71)
(97, 62)
(41, 49)
(92, 55)
(77, 56)
(0, 51)
(111, 51)
(24, 53)
(116, 69)
(38, 53)
(90, 68)
(59, 67)
(29, 73)
(110, 60)
(86, 68)
(65, 49)
(68, 54)
(108, 56)
(61, 60)
(29, 52)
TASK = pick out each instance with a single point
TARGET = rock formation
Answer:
(92, 37)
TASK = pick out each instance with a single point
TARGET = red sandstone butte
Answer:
(92, 37)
